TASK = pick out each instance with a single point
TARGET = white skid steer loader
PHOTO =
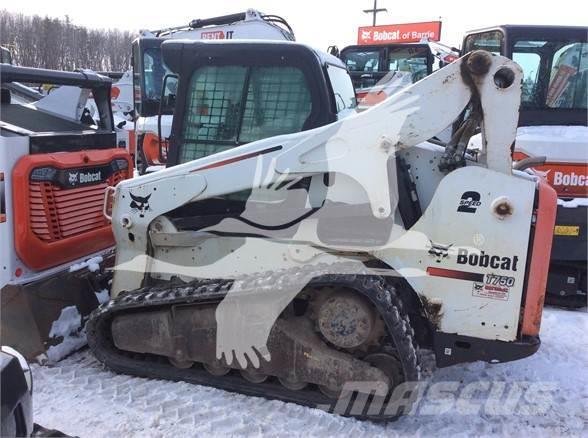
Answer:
(298, 252)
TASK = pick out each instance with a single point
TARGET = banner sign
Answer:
(399, 33)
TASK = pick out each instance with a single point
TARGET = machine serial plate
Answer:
(567, 230)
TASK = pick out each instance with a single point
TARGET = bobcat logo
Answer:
(439, 251)
(140, 204)
(73, 178)
(366, 35)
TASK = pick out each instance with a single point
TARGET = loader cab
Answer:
(233, 93)
(554, 60)
(368, 64)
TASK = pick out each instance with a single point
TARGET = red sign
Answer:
(399, 33)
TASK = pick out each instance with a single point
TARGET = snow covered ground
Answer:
(548, 393)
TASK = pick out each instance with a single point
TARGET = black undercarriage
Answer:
(309, 370)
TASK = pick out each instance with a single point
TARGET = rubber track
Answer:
(375, 287)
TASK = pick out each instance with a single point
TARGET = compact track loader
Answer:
(296, 250)
(56, 160)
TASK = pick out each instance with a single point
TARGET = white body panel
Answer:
(11, 149)
(463, 311)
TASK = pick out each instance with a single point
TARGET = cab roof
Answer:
(181, 47)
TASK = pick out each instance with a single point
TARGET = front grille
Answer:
(57, 213)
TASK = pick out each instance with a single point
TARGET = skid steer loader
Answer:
(296, 250)
(55, 162)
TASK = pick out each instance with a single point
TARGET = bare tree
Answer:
(56, 43)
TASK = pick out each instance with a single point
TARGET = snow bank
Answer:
(69, 327)
(573, 203)
(80, 397)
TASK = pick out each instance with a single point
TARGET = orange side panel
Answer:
(55, 225)
(151, 149)
(540, 257)
(132, 142)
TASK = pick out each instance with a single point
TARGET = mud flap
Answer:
(28, 311)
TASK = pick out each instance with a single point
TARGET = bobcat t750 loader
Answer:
(297, 250)
(56, 160)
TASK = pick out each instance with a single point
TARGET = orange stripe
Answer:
(540, 257)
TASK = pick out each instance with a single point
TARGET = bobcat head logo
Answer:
(478, 287)
(140, 204)
(439, 251)
(73, 178)
(366, 35)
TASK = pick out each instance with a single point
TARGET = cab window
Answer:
(154, 70)
(554, 73)
(228, 106)
(489, 41)
(363, 60)
(413, 60)
(342, 88)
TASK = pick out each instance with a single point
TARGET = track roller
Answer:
(253, 376)
(292, 383)
(181, 364)
(216, 369)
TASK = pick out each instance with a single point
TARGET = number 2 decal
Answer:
(469, 202)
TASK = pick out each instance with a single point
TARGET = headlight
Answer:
(26, 369)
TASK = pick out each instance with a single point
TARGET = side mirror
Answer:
(167, 102)
(168, 94)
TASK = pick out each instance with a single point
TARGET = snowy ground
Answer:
(79, 397)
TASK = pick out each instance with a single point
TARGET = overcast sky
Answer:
(318, 23)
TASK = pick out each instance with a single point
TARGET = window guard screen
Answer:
(228, 106)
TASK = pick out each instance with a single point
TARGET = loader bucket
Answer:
(29, 311)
